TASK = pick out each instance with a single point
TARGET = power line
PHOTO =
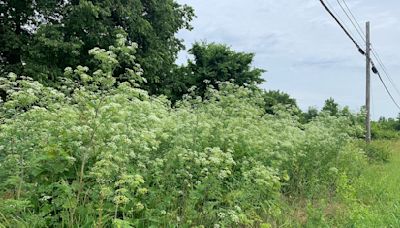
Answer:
(372, 103)
(374, 69)
(387, 90)
(339, 18)
(361, 33)
(343, 28)
(380, 62)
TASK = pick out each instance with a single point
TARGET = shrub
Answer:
(106, 153)
(380, 131)
(378, 151)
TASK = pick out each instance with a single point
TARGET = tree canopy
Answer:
(64, 36)
(18, 21)
(214, 63)
(331, 107)
(275, 97)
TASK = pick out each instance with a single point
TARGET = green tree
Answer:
(398, 123)
(311, 113)
(214, 63)
(385, 128)
(331, 107)
(85, 24)
(18, 21)
(275, 97)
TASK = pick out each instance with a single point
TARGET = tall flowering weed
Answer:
(105, 153)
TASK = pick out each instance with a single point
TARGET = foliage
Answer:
(310, 114)
(386, 128)
(213, 63)
(378, 151)
(368, 201)
(331, 107)
(377, 193)
(325, 151)
(84, 141)
(63, 34)
(274, 98)
(17, 21)
(101, 152)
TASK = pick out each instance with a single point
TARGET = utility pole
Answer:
(368, 84)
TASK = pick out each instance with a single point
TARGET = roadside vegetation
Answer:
(105, 130)
(370, 200)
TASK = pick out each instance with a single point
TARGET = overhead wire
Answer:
(361, 33)
(355, 23)
(372, 102)
(343, 27)
(380, 62)
(355, 19)
(340, 19)
(387, 90)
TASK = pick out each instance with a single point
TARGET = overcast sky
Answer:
(304, 51)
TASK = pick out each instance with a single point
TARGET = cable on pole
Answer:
(373, 67)
(387, 90)
(375, 70)
(355, 23)
(380, 62)
(331, 7)
(361, 33)
(343, 28)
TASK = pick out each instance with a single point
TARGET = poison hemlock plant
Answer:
(101, 152)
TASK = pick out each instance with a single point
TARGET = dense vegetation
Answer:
(100, 128)
(40, 38)
(386, 128)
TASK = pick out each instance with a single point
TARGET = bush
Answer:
(381, 132)
(378, 151)
(105, 153)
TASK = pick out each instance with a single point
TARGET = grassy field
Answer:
(373, 200)
(378, 194)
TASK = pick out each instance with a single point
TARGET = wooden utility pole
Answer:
(368, 84)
